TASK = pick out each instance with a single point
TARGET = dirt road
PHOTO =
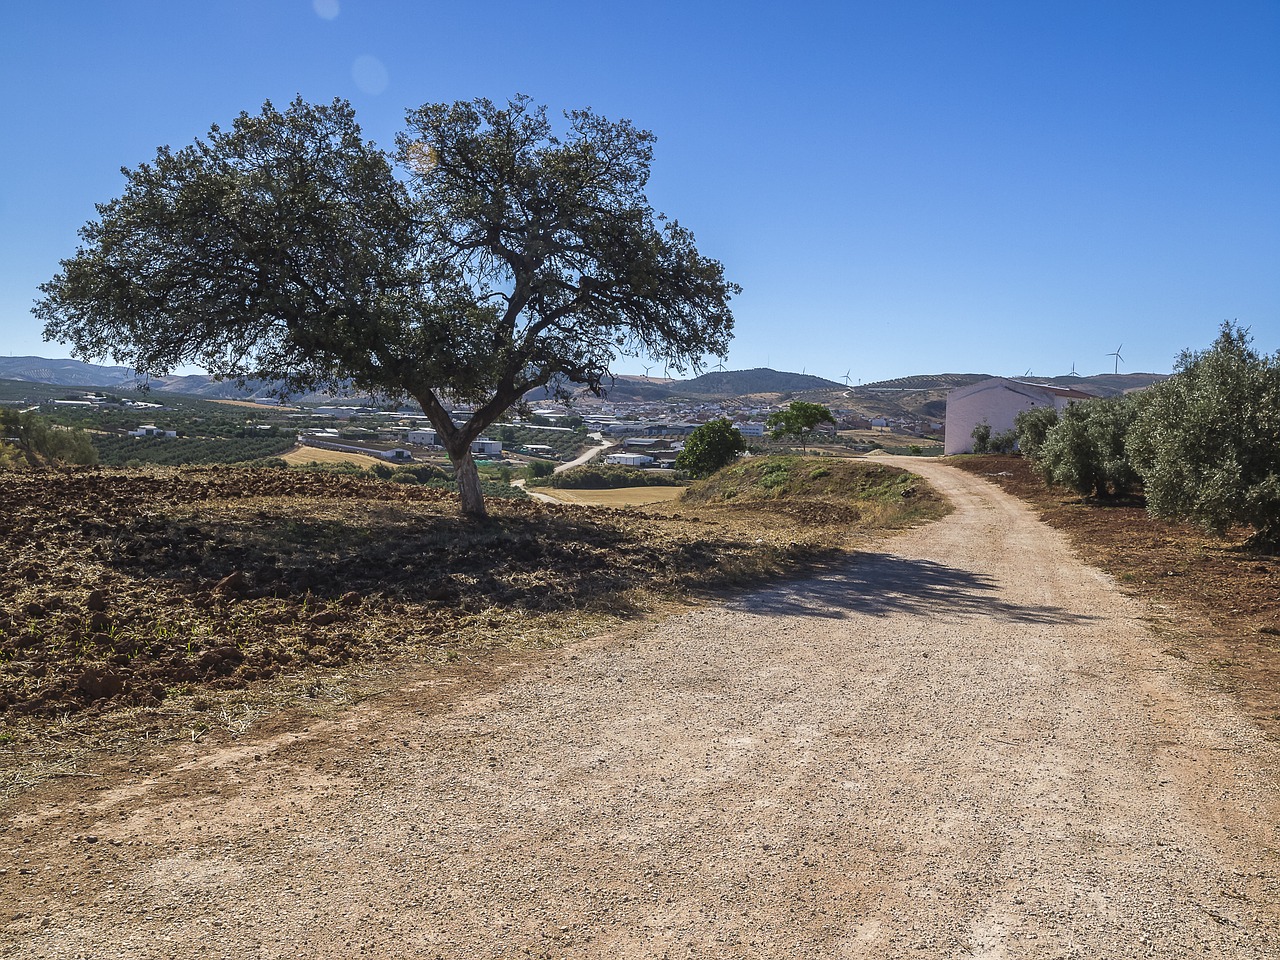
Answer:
(964, 745)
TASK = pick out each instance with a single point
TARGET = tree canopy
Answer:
(1084, 448)
(487, 256)
(1207, 440)
(24, 437)
(714, 444)
(799, 420)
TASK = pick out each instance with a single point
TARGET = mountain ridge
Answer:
(924, 394)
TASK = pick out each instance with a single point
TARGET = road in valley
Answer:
(965, 743)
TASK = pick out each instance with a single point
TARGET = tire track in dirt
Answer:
(963, 744)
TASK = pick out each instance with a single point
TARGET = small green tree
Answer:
(1032, 426)
(1006, 441)
(799, 420)
(981, 436)
(1086, 449)
(710, 447)
(1207, 440)
(40, 442)
(536, 469)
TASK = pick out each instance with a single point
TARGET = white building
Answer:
(383, 451)
(997, 402)
(426, 438)
(629, 459)
(151, 430)
(487, 447)
(750, 429)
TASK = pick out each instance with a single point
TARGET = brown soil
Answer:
(139, 589)
(1222, 602)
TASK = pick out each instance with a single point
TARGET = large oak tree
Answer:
(486, 256)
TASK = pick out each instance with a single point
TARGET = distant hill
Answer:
(77, 373)
(919, 396)
(715, 384)
(1102, 384)
(742, 383)
(67, 373)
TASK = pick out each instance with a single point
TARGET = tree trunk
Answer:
(468, 478)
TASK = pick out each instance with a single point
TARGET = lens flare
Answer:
(369, 74)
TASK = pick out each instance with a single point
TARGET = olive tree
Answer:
(40, 442)
(799, 420)
(488, 255)
(1032, 426)
(714, 444)
(1085, 450)
(1207, 440)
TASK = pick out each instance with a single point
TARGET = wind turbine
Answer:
(720, 365)
(1116, 354)
(1028, 373)
(646, 370)
(845, 378)
(1073, 370)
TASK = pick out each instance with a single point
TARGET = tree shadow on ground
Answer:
(880, 585)
(539, 563)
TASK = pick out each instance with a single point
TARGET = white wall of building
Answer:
(996, 402)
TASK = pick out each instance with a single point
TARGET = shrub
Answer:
(1032, 426)
(1086, 449)
(981, 438)
(535, 469)
(608, 477)
(39, 441)
(1006, 441)
(1207, 440)
(710, 447)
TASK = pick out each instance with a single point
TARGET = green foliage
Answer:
(1086, 451)
(422, 473)
(981, 436)
(490, 255)
(36, 441)
(1032, 426)
(1006, 441)
(795, 478)
(799, 420)
(536, 469)
(710, 447)
(564, 444)
(120, 450)
(609, 476)
(1207, 440)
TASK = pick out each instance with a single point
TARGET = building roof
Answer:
(1018, 386)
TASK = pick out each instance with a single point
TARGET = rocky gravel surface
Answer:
(965, 743)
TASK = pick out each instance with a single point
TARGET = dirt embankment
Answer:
(965, 744)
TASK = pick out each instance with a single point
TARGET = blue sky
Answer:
(900, 187)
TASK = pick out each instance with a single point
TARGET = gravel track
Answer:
(965, 743)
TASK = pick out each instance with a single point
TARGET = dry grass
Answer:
(303, 455)
(620, 497)
(249, 404)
